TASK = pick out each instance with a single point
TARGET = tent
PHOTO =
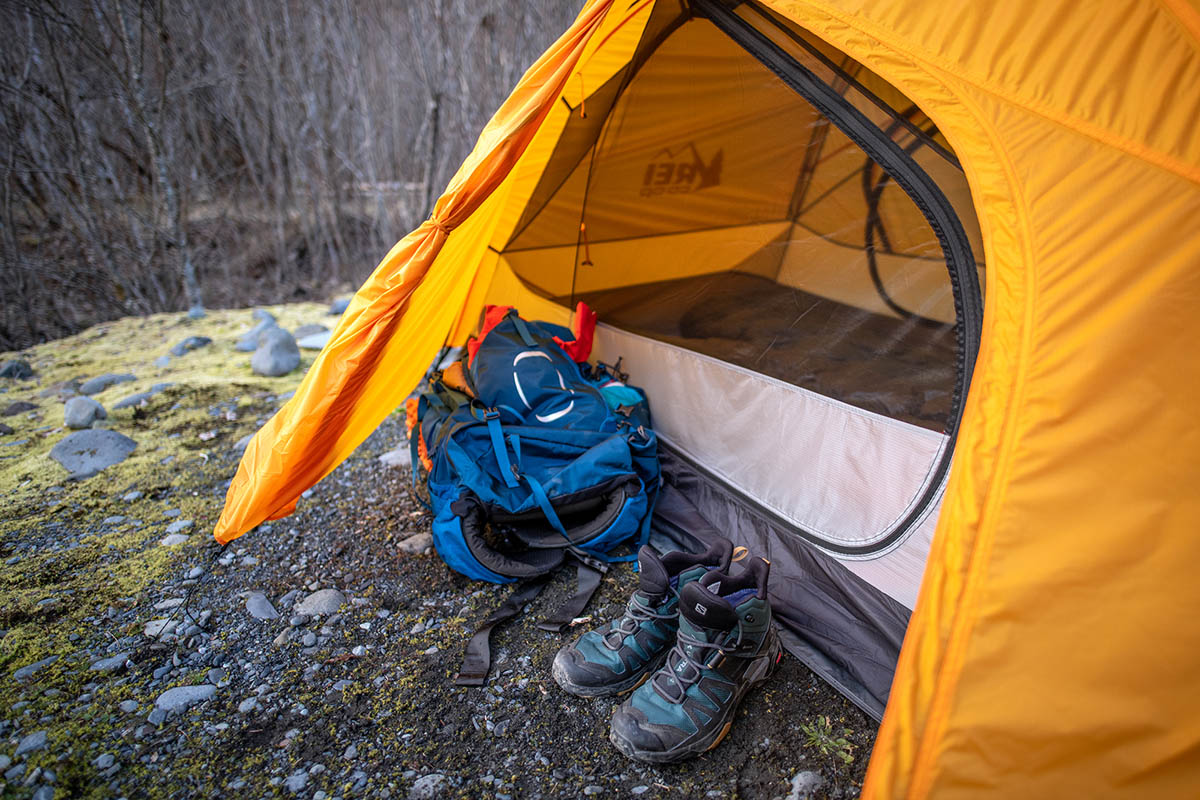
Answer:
(912, 288)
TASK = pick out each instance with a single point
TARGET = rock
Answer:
(158, 627)
(132, 497)
(249, 341)
(639, 789)
(194, 573)
(170, 540)
(128, 706)
(116, 519)
(156, 717)
(32, 742)
(171, 513)
(805, 784)
(111, 664)
(322, 603)
(350, 753)
(162, 362)
(132, 400)
(417, 543)
(339, 305)
(215, 676)
(81, 412)
(243, 443)
(309, 639)
(359, 651)
(296, 781)
(104, 761)
(17, 369)
(18, 407)
(189, 344)
(181, 697)
(309, 330)
(179, 526)
(283, 638)
(248, 705)
(400, 457)
(276, 355)
(196, 311)
(102, 382)
(5, 430)
(43, 793)
(25, 673)
(85, 453)
(262, 315)
(315, 341)
(592, 789)
(427, 787)
(260, 607)
(13, 773)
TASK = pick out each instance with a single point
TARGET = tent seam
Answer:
(1077, 125)
(1185, 15)
(965, 617)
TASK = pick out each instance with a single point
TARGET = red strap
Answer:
(493, 316)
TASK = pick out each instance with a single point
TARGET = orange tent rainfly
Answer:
(912, 288)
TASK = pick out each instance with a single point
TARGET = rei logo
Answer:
(680, 171)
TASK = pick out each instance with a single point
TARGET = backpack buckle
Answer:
(491, 413)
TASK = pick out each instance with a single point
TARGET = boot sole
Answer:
(756, 675)
(559, 671)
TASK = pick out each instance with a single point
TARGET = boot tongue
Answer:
(706, 610)
(653, 579)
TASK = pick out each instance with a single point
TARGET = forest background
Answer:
(161, 156)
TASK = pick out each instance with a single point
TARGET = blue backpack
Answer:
(531, 455)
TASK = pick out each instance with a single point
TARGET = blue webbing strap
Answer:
(539, 494)
(497, 434)
(522, 330)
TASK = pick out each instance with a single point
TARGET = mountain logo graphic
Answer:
(681, 170)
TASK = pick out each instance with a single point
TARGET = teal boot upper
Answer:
(725, 644)
(617, 657)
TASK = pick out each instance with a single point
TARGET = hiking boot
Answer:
(617, 658)
(725, 645)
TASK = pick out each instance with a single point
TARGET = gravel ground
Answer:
(314, 657)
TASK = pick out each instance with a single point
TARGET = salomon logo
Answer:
(701, 609)
(681, 171)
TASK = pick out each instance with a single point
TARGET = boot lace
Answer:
(637, 611)
(675, 689)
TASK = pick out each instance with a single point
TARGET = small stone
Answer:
(162, 362)
(81, 412)
(16, 369)
(308, 330)
(17, 407)
(309, 639)
(296, 781)
(639, 789)
(417, 543)
(102, 382)
(128, 706)
(116, 519)
(111, 664)
(189, 344)
(181, 697)
(277, 354)
(283, 638)
(13, 773)
(593, 789)
(262, 315)
(400, 457)
(249, 341)
(359, 651)
(350, 753)
(157, 717)
(167, 605)
(339, 305)
(132, 497)
(179, 526)
(105, 761)
(194, 573)
(25, 673)
(216, 675)
(172, 512)
(315, 341)
(260, 607)
(299, 619)
(85, 453)
(248, 705)
(158, 627)
(196, 311)
(805, 784)
(322, 603)
(426, 787)
(174, 539)
(32, 742)
(43, 792)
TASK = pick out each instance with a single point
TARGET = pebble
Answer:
(12, 773)
(167, 605)
(81, 412)
(194, 573)
(260, 607)
(309, 329)
(593, 789)
(18, 369)
(157, 717)
(105, 761)
(181, 697)
(116, 519)
(283, 638)
(248, 705)
(162, 362)
(315, 341)
(339, 305)
(158, 627)
(111, 664)
(309, 639)
(179, 526)
(249, 341)
(805, 784)
(17, 407)
(216, 675)
(342, 685)
(350, 753)
(131, 497)
(299, 619)
(400, 457)
(174, 539)
(172, 512)
(296, 781)
(102, 382)
(426, 787)
(43, 793)
(32, 742)
(322, 603)
(25, 673)
(416, 544)
(128, 706)
(639, 789)
(359, 651)
(189, 344)
(85, 453)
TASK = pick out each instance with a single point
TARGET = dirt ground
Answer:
(357, 702)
